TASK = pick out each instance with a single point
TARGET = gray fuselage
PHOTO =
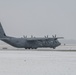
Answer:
(24, 43)
(32, 42)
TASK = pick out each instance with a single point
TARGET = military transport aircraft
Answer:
(30, 43)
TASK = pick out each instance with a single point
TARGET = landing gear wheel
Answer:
(28, 48)
(54, 48)
(25, 48)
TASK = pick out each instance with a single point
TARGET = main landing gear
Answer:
(30, 48)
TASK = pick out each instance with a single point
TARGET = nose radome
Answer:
(59, 43)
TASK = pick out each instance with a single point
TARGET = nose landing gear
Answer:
(53, 47)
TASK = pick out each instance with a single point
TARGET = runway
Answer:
(62, 48)
(53, 50)
(38, 62)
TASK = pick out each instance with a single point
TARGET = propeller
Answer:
(55, 38)
(31, 36)
(24, 36)
(46, 36)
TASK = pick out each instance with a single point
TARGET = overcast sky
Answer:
(39, 17)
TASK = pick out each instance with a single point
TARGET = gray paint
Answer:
(32, 42)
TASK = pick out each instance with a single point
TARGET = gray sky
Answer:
(39, 17)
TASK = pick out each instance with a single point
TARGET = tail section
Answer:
(2, 33)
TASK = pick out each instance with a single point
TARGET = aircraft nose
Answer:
(59, 43)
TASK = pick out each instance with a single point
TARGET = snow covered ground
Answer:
(28, 62)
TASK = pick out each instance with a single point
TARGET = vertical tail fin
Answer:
(2, 33)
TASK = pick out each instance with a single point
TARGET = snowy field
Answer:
(31, 62)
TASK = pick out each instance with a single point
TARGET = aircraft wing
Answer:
(36, 39)
(41, 39)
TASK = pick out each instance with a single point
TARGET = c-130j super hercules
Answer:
(30, 43)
